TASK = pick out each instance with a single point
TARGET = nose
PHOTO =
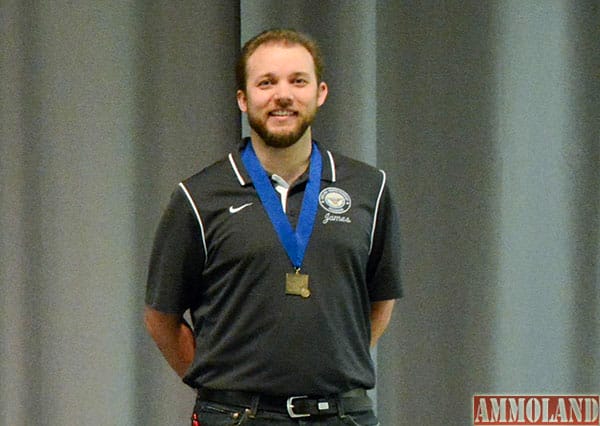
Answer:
(283, 95)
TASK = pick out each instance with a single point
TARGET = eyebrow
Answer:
(263, 76)
(300, 74)
(271, 75)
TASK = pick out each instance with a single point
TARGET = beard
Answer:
(284, 139)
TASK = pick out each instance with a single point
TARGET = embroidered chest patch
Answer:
(335, 200)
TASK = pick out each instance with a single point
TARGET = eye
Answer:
(300, 81)
(265, 83)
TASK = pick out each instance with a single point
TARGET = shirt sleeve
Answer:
(383, 268)
(177, 258)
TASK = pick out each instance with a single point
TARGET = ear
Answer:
(242, 100)
(322, 93)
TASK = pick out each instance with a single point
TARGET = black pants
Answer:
(208, 413)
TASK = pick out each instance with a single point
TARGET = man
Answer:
(286, 256)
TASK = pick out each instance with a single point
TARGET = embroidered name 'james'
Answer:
(334, 218)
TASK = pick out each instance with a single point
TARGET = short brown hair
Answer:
(277, 35)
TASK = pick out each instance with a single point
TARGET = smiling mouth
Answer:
(283, 113)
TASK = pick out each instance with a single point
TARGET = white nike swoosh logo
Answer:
(233, 210)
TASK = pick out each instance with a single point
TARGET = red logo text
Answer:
(571, 410)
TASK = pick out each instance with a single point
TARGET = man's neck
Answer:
(289, 163)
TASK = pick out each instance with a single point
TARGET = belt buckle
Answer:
(290, 407)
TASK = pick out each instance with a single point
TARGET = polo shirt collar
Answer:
(239, 170)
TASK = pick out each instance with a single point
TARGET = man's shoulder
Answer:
(347, 167)
(219, 171)
(212, 186)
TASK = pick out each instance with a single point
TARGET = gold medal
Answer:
(294, 241)
(297, 284)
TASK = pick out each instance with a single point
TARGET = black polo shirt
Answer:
(216, 253)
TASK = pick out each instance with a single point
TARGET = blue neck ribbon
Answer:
(294, 242)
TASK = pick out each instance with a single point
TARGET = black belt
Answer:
(295, 406)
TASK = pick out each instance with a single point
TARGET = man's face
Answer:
(282, 93)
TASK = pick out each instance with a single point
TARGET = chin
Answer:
(281, 140)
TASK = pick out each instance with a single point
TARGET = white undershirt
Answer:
(282, 187)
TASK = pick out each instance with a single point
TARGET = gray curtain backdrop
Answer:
(484, 114)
